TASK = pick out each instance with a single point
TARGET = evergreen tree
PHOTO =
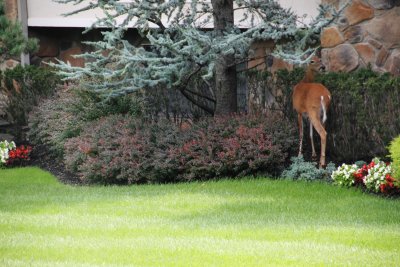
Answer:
(187, 39)
(12, 40)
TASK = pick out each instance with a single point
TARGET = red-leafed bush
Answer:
(120, 149)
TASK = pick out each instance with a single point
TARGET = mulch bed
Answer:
(41, 159)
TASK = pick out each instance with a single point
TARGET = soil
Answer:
(53, 166)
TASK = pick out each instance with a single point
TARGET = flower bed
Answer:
(11, 155)
(374, 177)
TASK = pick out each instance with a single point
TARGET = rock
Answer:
(354, 34)
(279, 64)
(382, 56)
(393, 64)
(9, 64)
(343, 23)
(381, 4)
(11, 9)
(386, 28)
(366, 52)
(258, 49)
(358, 11)
(67, 57)
(334, 3)
(341, 58)
(375, 43)
(331, 37)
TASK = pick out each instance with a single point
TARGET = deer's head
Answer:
(315, 65)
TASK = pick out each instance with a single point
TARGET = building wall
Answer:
(46, 13)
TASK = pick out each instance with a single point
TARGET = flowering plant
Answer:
(376, 177)
(19, 154)
(5, 147)
(344, 175)
(378, 171)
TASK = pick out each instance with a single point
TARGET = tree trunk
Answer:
(225, 70)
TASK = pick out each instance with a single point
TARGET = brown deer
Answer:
(312, 100)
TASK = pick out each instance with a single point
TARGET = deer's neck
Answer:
(309, 76)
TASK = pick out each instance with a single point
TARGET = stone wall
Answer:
(11, 12)
(64, 43)
(366, 33)
(11, 9)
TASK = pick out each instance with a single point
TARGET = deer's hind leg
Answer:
(314, 154)
(316, 123)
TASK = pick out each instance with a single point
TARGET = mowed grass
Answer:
(249, 222)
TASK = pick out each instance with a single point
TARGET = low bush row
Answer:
(123, 150)
(111, 142)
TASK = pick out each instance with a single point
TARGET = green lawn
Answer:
(250, 222)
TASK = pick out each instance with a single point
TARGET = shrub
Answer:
(52, 122)
(377, 176)
(302, 170)
(65, 114)
(5, 147)
(394, 149)
(365, 109)
(24, 86)
(122, 150)
(237, 146)
(344, 175)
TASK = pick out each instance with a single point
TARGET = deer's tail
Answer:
(324, 107)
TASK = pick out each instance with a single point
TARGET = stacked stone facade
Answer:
(366, 34)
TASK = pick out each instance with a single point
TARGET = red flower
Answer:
(383, 188)
(19, 154)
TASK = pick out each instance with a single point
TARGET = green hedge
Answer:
(364, 115)
(24, 86)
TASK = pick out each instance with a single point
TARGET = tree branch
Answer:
(197, 103)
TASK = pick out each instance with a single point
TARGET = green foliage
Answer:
(12, 40)
(90, 106)
(394, 149)
(181, 49)
(344, 175)
(364, 115)
(24, 86)
(308, 171)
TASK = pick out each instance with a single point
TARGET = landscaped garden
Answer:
(248, 222)
(144, 158)
(275, 209)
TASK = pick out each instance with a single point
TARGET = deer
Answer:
(312, 100)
